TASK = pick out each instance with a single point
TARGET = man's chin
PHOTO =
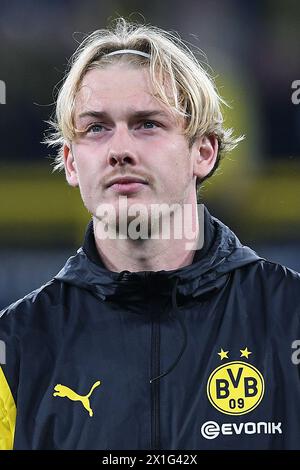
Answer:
(134, 220)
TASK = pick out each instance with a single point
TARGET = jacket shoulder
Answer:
(46, 296)
(273, 283)
(275, 272)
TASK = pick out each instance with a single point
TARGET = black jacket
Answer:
(195, 358)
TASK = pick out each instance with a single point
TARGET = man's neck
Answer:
(150, 254)
(144, 255)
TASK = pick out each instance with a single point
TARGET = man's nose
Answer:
(122, 150)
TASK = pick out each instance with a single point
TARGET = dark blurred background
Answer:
(253, 49)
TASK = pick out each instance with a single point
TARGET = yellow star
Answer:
(245, 352)
(223, 354)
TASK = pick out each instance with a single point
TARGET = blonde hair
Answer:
(191, 91)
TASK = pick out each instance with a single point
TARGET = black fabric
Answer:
(201, 357)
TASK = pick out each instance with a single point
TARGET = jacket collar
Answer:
(221, 254)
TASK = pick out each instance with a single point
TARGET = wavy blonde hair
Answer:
(191, 91)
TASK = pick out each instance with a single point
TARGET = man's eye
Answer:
(95, 129)
(149, 125)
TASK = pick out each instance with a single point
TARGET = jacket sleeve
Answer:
(8, 413)
(8, 381)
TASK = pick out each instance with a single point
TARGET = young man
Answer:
(144, 341)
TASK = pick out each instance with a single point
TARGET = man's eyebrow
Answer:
(95, 114)
(150, 113)
(134, 114)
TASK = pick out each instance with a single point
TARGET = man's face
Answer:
(128, 134)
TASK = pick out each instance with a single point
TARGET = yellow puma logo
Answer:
(63, 391)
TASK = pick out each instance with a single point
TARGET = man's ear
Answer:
(70, 166)
(205, 151)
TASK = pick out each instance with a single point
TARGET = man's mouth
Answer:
(127, 184)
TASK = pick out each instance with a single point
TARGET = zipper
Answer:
(155, 363)
(155, 386)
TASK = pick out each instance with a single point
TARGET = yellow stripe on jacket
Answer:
(8, 413)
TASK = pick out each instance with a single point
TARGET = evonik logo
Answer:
(211, 429)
